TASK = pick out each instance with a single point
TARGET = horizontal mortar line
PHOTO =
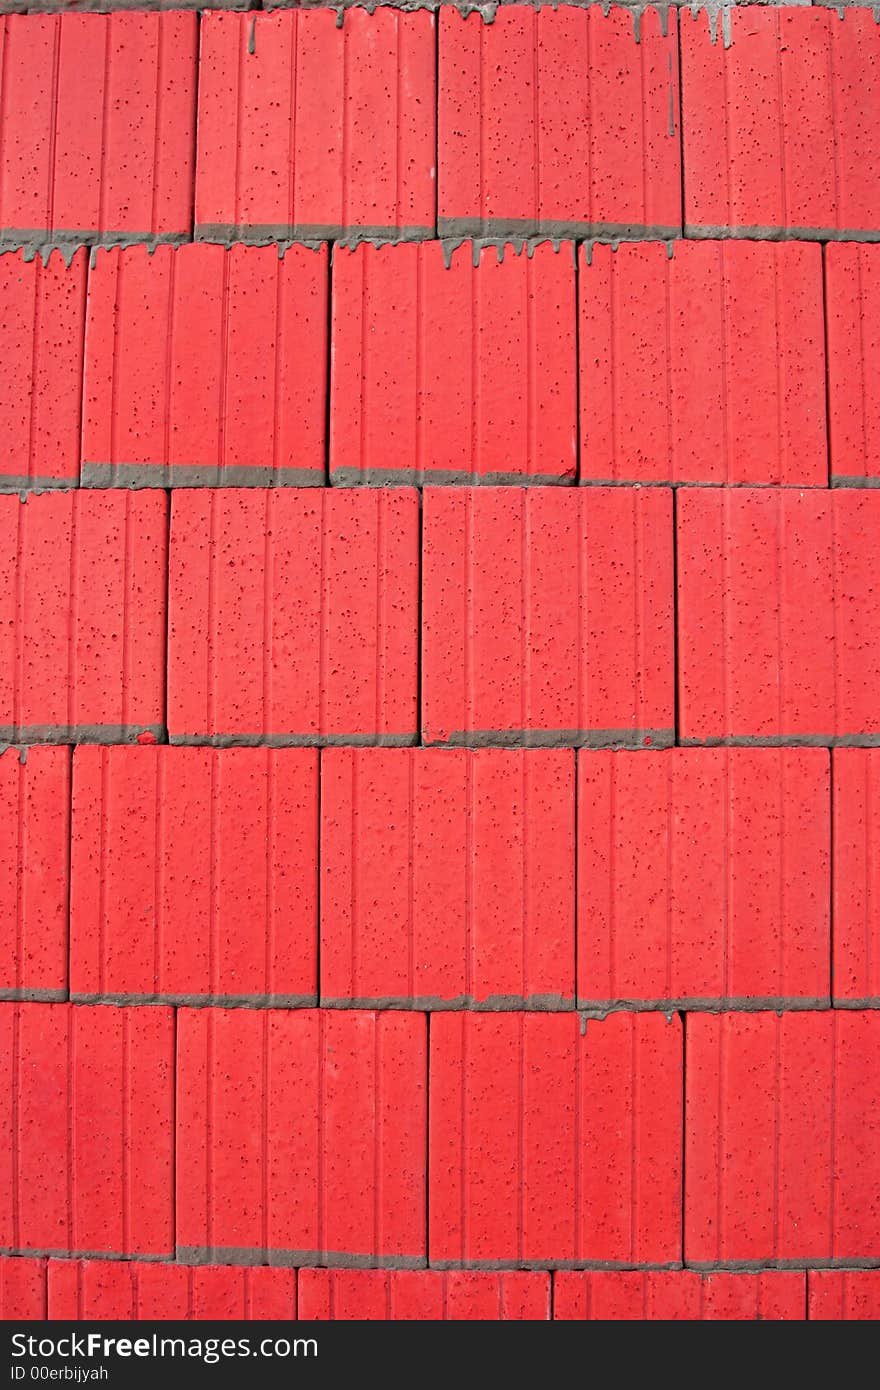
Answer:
(555, 738)
(161, 475)
(444, 477)
(47, 1254)
(478, 228)
(38, 238)
(697, 483)
(267, 233)
(22, 482)
(784, 741)
(698, 1004)
(493, 1003)
(33, 996)
(698, 231)
(79, 733)
(871, 1001)
(201, 1001)
(552, 1264)
(293, 740)
(842, 480)
(756, 1266)
(329, 1259)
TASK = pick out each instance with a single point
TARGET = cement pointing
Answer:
(852, 287)
(856, 856)
(678, 1295)
(423, 1295)
(87, 1290)
(195, 875)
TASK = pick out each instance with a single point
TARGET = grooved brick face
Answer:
(856, 902)
(42, 310)
(88, 1100)
(301, 1137)
(195, 875)
(844, 1295)
(402, 1295)
(704, 366)
(782, 1137)
(852, 289)
(293, 616)
(306, 129)
(205, 366)
(547, 616)
(458, 373)
(777, 638)
(778, 126)
(107, 1290)
(22, 1290)
(98, 117)
(704, 877)
(34, 848)
(678, 1295)
(550, 1145)
(447, 876)
(558, 122)
(82, 617)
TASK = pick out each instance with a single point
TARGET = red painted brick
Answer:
(22, 1290)
(463, 372)
(301, 1137)
(704, 877)
(852, 289)
(42, 322)
(778, 124)
(194, 875)
(34, 848)
(678, 1295)
(703, 366)
(547, 616)
(782, 1137)
(550, 1145)
(307, 129)
(98, 120)
(293, 616)
(205, 366)
(777, 638)
(856, 859)
(106, 1290)
(558, 122)
(88, 1096)
(447, 877)
(82, 617)
(423, 1295)
(844, 1295)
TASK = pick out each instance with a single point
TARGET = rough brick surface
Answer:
(106, 1290)
(453, 366)
(22, 1290)
(195, 876)
(307, 128)
(98, 120)
(856, 858)
(706, 365)
(678, 1295)
(293, 616)
(301, 1137)
(447, 877)
(852, 288)
(551, 1145)
(82, 617)
(777, 639)
(838, 1295)
(704, 878)
(88, 1100)
(205, 366)
(41, 347)
(34, 850)
(778, 124)
(423, 1295)
(557, 122)
(782, 1138)
(547, 616)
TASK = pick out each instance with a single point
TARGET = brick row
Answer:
(701, 362)
(460, 1140)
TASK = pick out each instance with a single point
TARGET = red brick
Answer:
(42, 323)
(852, 289)
(549, 1144)
(782, 1138)
(778, 123)
(293, 616)
(107, 1290)
(558, 122)
(82, 617)
(856, 859)
(174, 332)
(702, 363)
(704, 878)
(447, 877)
(453, 366)
(423, 1295)
(98, 119)
(22, 1290)
(301, 1137)
(547, 616)
(34, 848)
(844, 1295)
(88, 1096)
(680, 1295)
(777, 638)
(194, 874)
(307, 129)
